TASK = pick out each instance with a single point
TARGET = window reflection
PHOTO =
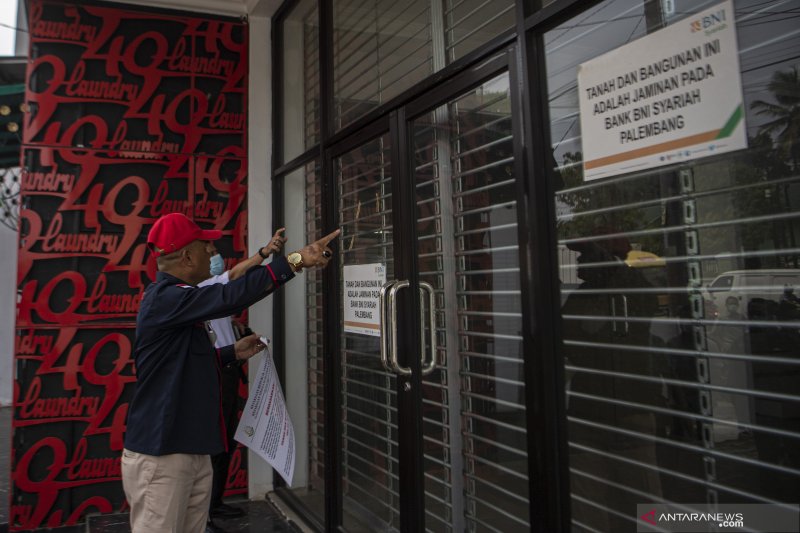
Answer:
(384, 47)
(680, 288)
(301, 96)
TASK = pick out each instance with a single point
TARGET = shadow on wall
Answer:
(8, 302)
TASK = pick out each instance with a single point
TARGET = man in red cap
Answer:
(174, 421)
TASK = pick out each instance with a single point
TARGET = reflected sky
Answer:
(768, 37)
(8, 21)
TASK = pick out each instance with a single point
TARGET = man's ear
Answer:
(187, 257)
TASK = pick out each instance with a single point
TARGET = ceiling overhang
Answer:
(228, 8)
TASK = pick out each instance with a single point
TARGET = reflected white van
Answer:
(744, 285)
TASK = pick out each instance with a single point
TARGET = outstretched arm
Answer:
(318, 253)
(275, 245)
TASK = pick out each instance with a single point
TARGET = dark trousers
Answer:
(231, 376)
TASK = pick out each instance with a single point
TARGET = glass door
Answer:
(368, 412)
(474, 424)
(432, 310)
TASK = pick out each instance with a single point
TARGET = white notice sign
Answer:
(669, 97)
(362, 286)
(265, 426)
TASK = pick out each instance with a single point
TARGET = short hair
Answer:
(165, 261)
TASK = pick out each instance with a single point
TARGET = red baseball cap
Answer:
(174, 231)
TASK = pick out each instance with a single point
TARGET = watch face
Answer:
(295, 259)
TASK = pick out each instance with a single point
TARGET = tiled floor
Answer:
(261, 517)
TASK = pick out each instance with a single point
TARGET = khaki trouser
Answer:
(167, 493)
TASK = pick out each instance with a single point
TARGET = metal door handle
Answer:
(613, 313)
(388, 326)
(625, 312)
(424, 287)
(385, 309)
(626, 326)
(395, 365)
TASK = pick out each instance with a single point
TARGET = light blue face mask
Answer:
(217, 265)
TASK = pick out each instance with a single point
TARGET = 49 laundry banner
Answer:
(131, 114)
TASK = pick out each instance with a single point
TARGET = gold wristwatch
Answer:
(296, 260)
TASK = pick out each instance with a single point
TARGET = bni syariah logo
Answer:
(650, 517)
(708, 21)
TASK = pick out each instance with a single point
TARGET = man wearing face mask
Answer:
(230, 376)
(175, 422)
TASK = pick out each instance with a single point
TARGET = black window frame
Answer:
(549, 494)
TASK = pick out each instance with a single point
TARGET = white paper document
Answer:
(265, 426)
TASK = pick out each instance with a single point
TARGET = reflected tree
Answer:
(614, 205)
(785, 114)
(777, 146)
(758, 194)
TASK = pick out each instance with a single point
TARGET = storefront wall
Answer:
(131, 114)
(590, 322)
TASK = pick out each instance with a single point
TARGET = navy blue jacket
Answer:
(176, 406)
